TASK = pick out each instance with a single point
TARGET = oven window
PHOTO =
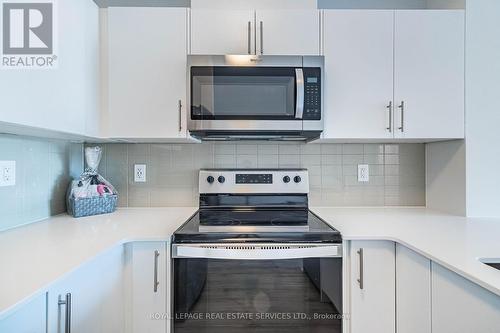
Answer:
(299, 295)
(242, 93)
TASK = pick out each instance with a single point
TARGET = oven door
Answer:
(246, 98)
(257, 288)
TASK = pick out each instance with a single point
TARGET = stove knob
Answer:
(286, 179)
(297, 179)
(210, 179)
(221, 179)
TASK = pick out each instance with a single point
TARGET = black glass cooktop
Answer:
(260, 225)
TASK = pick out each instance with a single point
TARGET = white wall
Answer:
(65, 98)
(372, 4)
(445, 176)
(254, 4)
(446, 4)
(483, 107)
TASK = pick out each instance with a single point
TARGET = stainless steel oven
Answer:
(255, 97)
(258, 287)
(255, 259)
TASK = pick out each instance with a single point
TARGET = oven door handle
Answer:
(256, 251)
(299, 84)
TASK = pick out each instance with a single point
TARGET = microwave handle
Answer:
(299, 83)
(264, 252)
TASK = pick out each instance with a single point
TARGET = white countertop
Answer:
(454, 242)
(34, 257)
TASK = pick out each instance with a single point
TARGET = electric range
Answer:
(255, 206)
(253, 258)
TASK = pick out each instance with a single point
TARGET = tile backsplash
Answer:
(397, 171)
(43, 171)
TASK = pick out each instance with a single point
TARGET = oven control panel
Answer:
(312, 94)
(253, 181)
(254, 178)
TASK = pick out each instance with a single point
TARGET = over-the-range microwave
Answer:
(237, 97)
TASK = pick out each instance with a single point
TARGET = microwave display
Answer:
(312, 94)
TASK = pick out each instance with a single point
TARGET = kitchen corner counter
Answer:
(454, 242)
(35, 256)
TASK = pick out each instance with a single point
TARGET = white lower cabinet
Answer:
(96, 294)
(372, 286)
(30, 318)
(459, 305)
(413, 292)
(147, 287)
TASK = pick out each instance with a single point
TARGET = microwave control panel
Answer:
(312, 94)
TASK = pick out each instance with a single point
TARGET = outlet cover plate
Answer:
(7, 173)
(363, 173)
(140, 173)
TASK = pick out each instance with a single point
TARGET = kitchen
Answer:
(284, 165)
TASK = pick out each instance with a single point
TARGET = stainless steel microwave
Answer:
(237, 97)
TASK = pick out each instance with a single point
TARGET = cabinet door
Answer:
(288, 32)
(372, 287)
(358, 49)
(429, 73)
(29, 318)
(413, 291)
(147, 72)
(459, 305)
(97, 303)
(149, 287)
(222, 31)
(62, 99)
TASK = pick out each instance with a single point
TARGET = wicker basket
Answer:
(92, 206)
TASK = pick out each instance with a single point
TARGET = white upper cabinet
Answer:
(147, 72)
(372, 286)
(267, 32)
(358, 49)
(222, 31)
(288, 32)
(66, 98)
(394, 74)
(429, 74)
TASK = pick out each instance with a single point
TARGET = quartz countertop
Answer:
(35, 256)
(454, 242)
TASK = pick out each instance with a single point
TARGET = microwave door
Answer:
(244, 93)
(299, 86)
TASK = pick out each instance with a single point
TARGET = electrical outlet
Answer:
(140, 173)
(363, 173)
(7, 173)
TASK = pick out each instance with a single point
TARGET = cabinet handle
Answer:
(67, 303)
(155, 280)
(180, 115)
(261, 37)
(402, 108)
(361, 273)
(389, 108)
(249, 37)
